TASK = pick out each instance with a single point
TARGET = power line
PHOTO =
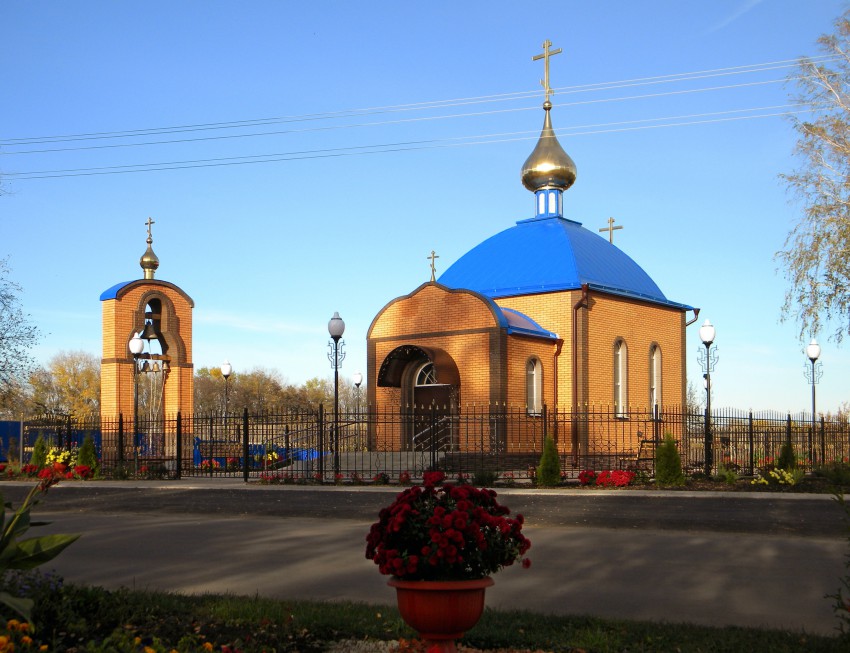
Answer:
(600, 86)
(622, 126)
(385, 123)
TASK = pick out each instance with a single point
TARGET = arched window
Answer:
(534, 387)
(621, 376)
(425, 375)
(654, 377)
(541, 204)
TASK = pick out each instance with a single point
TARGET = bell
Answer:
(145, 367)
(155, 367)
(149, 333)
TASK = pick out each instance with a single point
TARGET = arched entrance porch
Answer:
(429, 384)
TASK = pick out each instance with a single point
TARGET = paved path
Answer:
(715, 559)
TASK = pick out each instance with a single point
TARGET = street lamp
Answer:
(813, 375)
(358, 379)
(336, 327)
(707, 359)
(137, 346)
(226, 371)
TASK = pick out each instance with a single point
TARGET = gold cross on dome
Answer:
(433, 268)
(610, 229)
(545, 56)
(149, 223)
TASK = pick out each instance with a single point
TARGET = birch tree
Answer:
(17, 335)
(816, 254)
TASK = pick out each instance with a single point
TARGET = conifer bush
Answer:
(549, 469)
(787, 460)
(668, 463)
(39, 452)
(87, 456)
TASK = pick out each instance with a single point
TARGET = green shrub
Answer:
(668, 463)
(87, 455)
(787, 460)
(835, 472)
(726, 474)
(549, 469)
(484, 478)
(39, 452)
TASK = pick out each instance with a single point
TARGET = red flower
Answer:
(434, 532)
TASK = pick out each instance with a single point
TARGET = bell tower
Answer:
(146, 372)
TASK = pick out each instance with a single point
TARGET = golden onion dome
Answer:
(548, 165)
(149, 261)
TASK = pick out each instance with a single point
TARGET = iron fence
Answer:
(390, 444)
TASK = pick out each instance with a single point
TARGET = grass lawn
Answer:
(82, 619)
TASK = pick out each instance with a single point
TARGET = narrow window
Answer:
(654, 377)
(621, 375)
(541, 203)
(534, 387)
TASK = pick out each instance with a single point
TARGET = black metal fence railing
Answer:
(390, 444)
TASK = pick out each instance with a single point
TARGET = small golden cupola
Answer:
(549, 170)
(149, 260)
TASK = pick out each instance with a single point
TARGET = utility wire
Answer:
(384, 123)
(600, 86)
(622, 126)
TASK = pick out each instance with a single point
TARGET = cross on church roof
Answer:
(610, 229)
(433, 268)
(545, 56)
(149, 223)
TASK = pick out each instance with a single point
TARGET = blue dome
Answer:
(549, 255)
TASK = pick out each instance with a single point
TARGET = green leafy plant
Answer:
(727, 475)
(484, 478)
(779, 477)
(837, 472)
(668, 463)
(840, 600)
(549, 469)
(17, 552)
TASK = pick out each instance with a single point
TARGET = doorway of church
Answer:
(433, 418)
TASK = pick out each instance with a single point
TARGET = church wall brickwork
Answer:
(640, 325)
(459, 323)
(492, 364)
(553, 312)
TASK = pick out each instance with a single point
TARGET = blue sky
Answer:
(399, 128)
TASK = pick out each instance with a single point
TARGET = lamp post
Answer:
(137, 346)
(336, 327)
(226, 371)
(813, 375)
(358, 379)
(707, 359)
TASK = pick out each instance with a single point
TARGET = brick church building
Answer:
(543, 315)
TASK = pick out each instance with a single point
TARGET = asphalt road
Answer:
(708, 558)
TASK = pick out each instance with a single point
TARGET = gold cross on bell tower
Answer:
(545, 56)
(149, 223)
(433, 267)
(610, 229)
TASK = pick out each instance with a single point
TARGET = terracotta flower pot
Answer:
(441, 611)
